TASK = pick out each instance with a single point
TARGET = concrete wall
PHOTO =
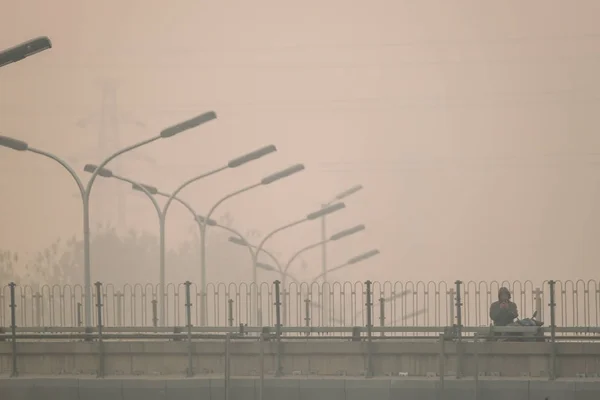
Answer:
(294, 389)
(321, 358)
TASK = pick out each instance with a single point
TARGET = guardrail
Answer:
(567, 303)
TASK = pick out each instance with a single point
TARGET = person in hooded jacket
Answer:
(503, 311)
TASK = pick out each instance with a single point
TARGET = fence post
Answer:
(119, 316)
(261, 369)
(278, 371)
(552, 305)
(188, 323)
(538, 303)
(459, 325)
(155, 313)
(476, 362)
(38, 308)
(451, 302)
(442, 365)
(79, 314)
(307, 314)
(382, 314)
(13, 329)
(227, 366)
(100, 373)
(459, 305)
(369, 305)
(230, 306)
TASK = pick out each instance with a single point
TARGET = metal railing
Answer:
(394, 304)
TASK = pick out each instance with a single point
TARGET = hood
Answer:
(504, 290)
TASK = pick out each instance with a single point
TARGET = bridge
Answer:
(357, 352)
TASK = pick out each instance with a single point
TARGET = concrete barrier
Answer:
(324, 358)
(212, 388)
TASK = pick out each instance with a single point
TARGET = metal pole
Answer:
(459, 347)
(476, 361)
(13, 329)
(369, 373)
(202, 272)
(161, 289)
(552, 329)
(324, 264)
(230, 303)
(188, 320)
(79, 320)
(278, 371)
(154, 317)
(227, 366)
(442, 365)
(100, 373)
(261, 368)
(87, 277)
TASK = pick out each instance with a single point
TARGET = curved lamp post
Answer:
(263, 182)
(233, 163)
(85, 191)
(310, 217)
(150, 191)
(23, 50)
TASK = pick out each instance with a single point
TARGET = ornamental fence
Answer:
(423, 304)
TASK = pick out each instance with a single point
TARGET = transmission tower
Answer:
(112, 204)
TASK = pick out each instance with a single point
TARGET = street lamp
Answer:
(263, 182)
(309, 217)
(199, 219)
(352, 261)
(19, 145)
(233, 163)
(23, 50)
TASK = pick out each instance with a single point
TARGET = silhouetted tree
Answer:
(129, 258)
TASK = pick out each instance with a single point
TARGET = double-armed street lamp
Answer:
(85, 191)
(162, 213)
(309, 217)
(24, 50)
(263, 182)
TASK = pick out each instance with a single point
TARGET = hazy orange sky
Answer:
(473, 125)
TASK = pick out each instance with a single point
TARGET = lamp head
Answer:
(347, 232)
(326, 210)
(348, 192)
(189, 124)
(209, 222)
(91, 168)
(246, 158)
(150, 189)
(266, 267)
(23, 50)
(238, 241)
(363, 256)
(14, 144)
(282, 174)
